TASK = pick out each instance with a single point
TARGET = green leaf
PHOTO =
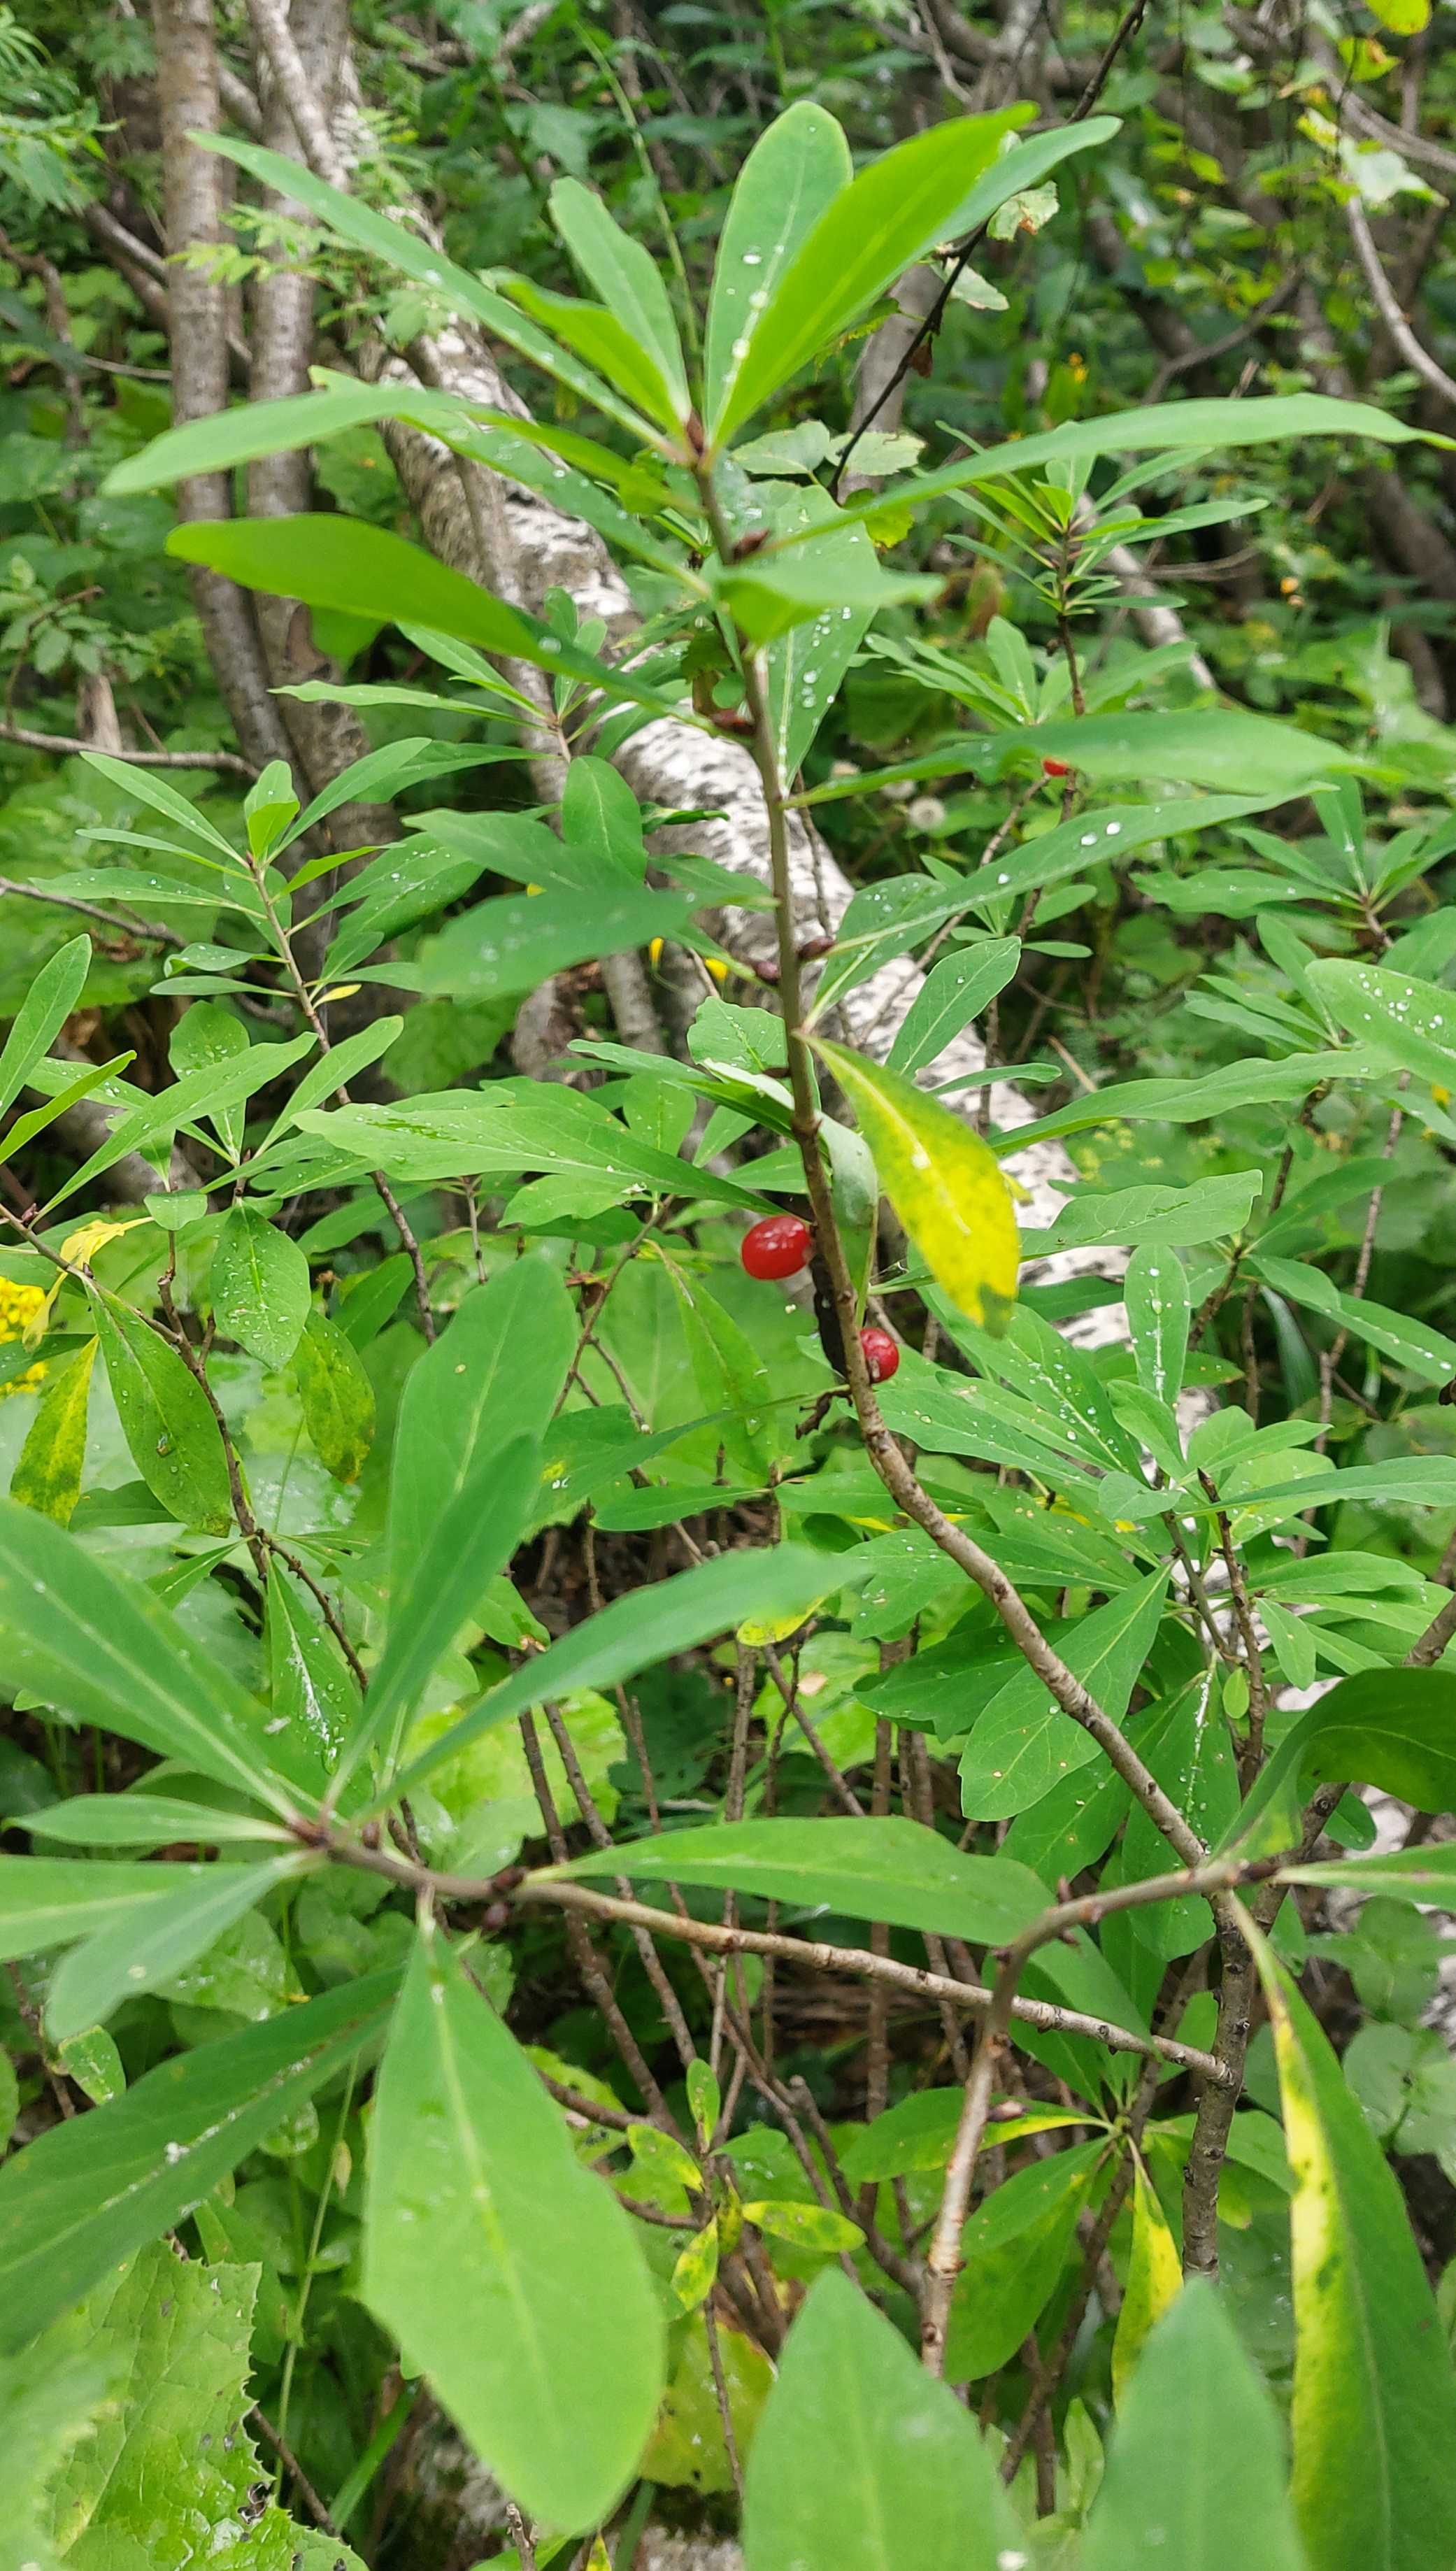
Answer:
(1195, 2396)
(804, 2226)
(47, 1474)
(51, 1900)
(86, 2194)
(171, 1433)
(508, 2270)
(1395, 1729)
(106, 1651)
(1155, 2276)
(771, 593)
(204, 1092)
(119, 1963)
(169, 2474)
(890, 1870)
(1411, 1025)
(1015, 2247)
(42, 1014)
(259, 1286)
(1185, 1743)
(1427, 1874)
(495, 1373)
(476, 1534)
(731, 1376)
(627, 279)
(506, 946)
(1413, 1346)
(943, 1180)
(1166, 1218)
(910, 199)
(864, 2461)
(645, 1626)
(353, 568)
(1156, 1293)
(337, 1397)
(797, 167)
(954, 992)
(144, 1820)
(1202, 748)
(313, 1693)
(1197, 1100)
(1375, 2408)
(1024, 1744)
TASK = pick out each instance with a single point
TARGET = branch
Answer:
(62, 744)
(1388, 306)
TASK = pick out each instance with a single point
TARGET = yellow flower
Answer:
(20, 1305)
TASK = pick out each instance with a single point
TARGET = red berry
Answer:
(1055, 767)
(882, 1356)
(777, 1247)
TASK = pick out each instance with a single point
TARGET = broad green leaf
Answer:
(954, 992)
(259, 1286)
(1395, 1729)
(495, 1373)
(1410, 1025)
(1155, 2276)
(1163, 1218)
(771, 593)
(144, 1820)
(472, 1540)
(1198, 1100)
(804, 2226)
(86, 2194)
(169, 2474)
(731, 1376)
(1024, 1744)
(919, 2134)
(1427, 1874)
(797, 167)
(804, 665)
(644, 1625)
(888, 1869)
(924, 192)
(943, 1180)
(1374, 2408)
(313, 1691)
(1187, 1745)
(51, 1900)
(42, 1014)
(863, 2461)
(120, 1962)
(508, 2270)
(106, 1651)
(1156, 1293)
(171, 1433)
(627, 279)
(336, 1396)
(1196, 2470)
(355, 569)
(47, 1474)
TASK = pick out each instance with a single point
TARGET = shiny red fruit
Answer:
(777, 1247)
(882, 1356)
(1055, 767)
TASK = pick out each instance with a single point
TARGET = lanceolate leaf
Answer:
(120, 1963)
(1374, 2417)
(259, 1286)
(890, 1870)
(50, 1901)
(171, 1433)
(1195, 2472)
(1395, 1729)
(356, 569)
(793, 173)
(106, 1651)
(943, 1180)
(336, 1396)
(507, 2270)
(863, 2461)
(86, 2194)
(642, 1626)
(48, 1474)
(1411, 1025)
(42, 1014)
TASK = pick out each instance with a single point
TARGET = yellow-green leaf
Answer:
(48, 1474)
(1155, 2278)
(943, 1182)
(695, 2272)
(1375, 2408)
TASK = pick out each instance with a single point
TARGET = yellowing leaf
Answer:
(695, 2272)
(943, 1182)
(48, 1474)
(1403, 17)
(1155, 2278)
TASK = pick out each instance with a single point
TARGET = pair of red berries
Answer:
(779, 1246)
